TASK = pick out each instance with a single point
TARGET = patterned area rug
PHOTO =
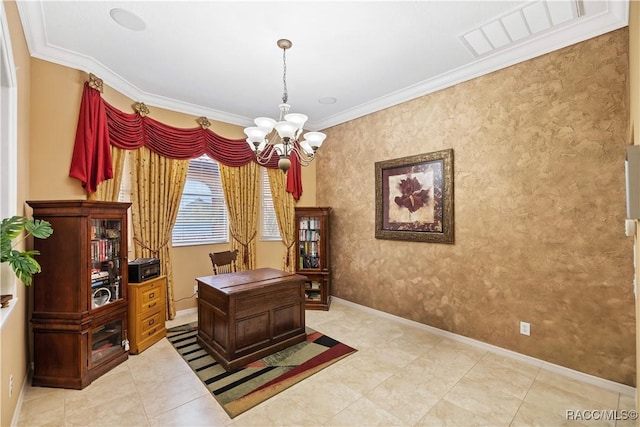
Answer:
(244, 388)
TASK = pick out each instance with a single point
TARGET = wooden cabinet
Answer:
(80, 301)
(312, 231)
(146, 313)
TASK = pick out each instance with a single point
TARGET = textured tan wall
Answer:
(14, 347)
(634, 107)
(539, 153)
(634, 67)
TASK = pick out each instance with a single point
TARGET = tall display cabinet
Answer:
(312, 231)
(79, 318)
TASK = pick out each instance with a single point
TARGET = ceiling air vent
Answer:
(529, 20)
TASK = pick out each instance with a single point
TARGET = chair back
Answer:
(224, 262)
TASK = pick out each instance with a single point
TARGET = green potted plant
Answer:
(23, 263)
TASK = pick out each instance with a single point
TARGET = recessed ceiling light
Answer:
(327, 100)
(127, 19)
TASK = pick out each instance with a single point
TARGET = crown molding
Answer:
(616, 16)
(32, 18)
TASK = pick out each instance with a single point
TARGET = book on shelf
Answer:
(309, 223)
(309, 261)
(309, 236)
(99, 275)
(104, 249)
(100, 283)
(104, 352)
(314, 296)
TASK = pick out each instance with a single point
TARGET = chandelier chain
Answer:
(285, 95)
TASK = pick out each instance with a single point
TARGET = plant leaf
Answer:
(24, 265)
(12, 227)
(39, 228)
(31, 253)
(5, 247)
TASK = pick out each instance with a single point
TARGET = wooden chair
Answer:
(224, 262)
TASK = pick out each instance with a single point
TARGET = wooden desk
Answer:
(247, 315)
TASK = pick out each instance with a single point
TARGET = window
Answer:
(126, 195)
(202, 216)
(270, 230)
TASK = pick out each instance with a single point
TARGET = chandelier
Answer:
(282, 137)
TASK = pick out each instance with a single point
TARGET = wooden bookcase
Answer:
(80, 302)
(313, 259)
(147, 313)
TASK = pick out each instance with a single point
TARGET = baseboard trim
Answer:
(27, 378)
(571, 373)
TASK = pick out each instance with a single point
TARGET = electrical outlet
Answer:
(525, 328)
(10, 385)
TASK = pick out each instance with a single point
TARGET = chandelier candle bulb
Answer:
(314, 139)
(286, 129)
(267, 123)
(297, 119)
(255, 135)
(306, 147)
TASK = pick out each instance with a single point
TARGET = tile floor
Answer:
(401, 376)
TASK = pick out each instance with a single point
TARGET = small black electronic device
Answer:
(141, 269)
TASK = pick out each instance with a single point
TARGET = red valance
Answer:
(294, 178)
(101, 124)
(91, 160)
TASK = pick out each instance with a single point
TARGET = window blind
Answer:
(202, 216)
(270, 229)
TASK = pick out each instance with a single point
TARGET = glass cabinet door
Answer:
(106, 341)
(309, 241)
(106, 262)
(313, 256)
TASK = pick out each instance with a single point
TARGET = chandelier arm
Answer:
(264, 157)
(304, 157)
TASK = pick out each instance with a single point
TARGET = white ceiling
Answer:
(219, 58)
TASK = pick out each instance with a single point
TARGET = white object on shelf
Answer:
(101, 296)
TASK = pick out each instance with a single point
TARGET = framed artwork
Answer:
(414, 198)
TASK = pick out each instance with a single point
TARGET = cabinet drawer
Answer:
(150, 297)
(146, 313)
(152, 323)
(147, 340)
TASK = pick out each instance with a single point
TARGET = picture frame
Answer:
(414, 198)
